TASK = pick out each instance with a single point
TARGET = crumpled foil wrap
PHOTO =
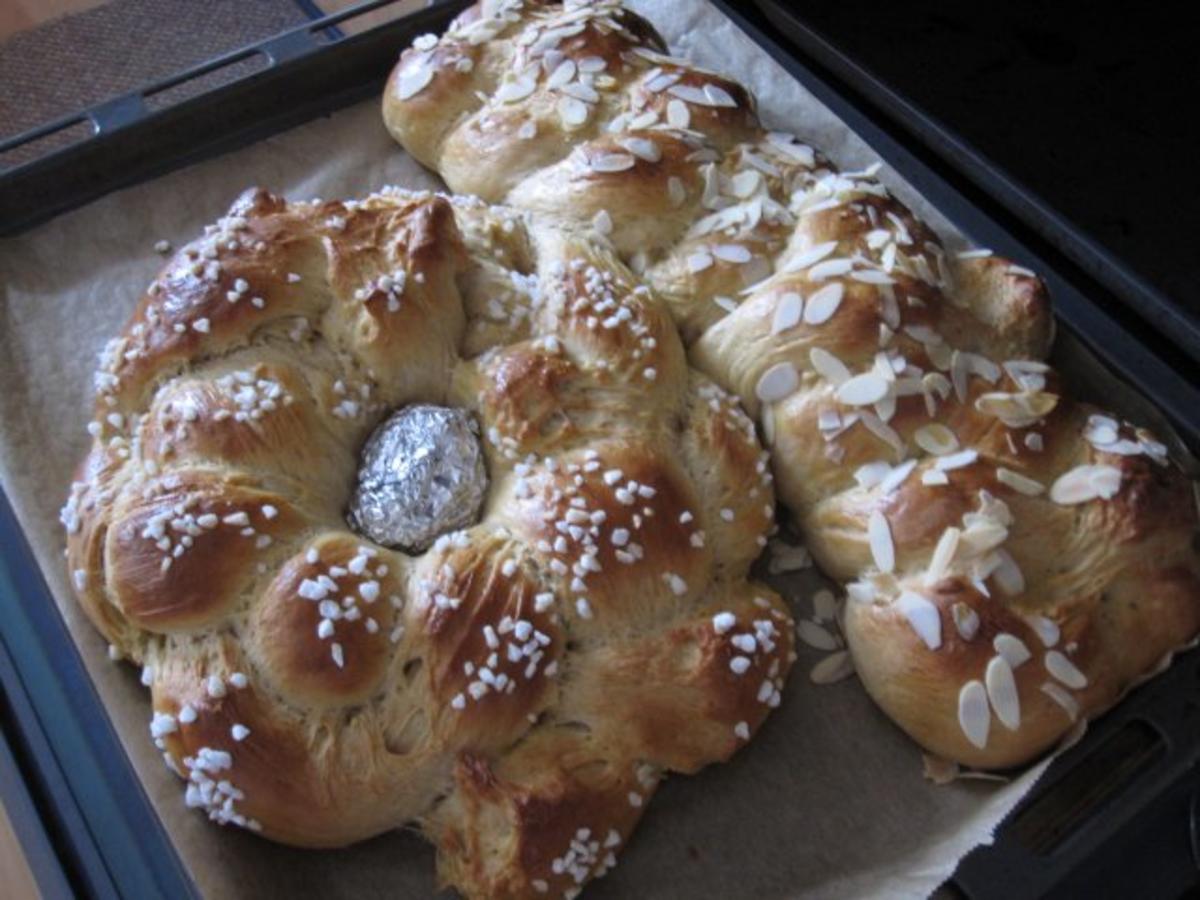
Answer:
(421, 475)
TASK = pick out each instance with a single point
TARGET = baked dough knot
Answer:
(518, 690)
(1015, 559)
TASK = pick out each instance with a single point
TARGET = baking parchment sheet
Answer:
(828, 801)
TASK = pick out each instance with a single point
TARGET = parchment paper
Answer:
(828, 801)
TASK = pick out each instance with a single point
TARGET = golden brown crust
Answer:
(915, 432)
(320, 689)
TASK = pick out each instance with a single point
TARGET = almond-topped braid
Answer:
(1015, 559)
(518, 689)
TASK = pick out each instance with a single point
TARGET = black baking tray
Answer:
(92, 808)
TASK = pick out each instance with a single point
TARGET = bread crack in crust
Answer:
(517, 691)
(1014, 559)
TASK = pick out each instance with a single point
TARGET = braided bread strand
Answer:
(1015, 559)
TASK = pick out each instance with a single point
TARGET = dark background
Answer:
(1093, 108)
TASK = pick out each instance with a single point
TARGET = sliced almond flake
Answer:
(934, 478)
(811, 256)
(1123, 447)
(757, 162)
(745, 183)
(943, 555)
(870, 474)
(572, 112)
(732, 253)
(861, 592)
(678, 115)
(878, 237)
(642, 148)
(816, 636)
(872, 276)
(689, 93)
(1084, 483)
(936, 439)
(1017, 410)
(768, 425)
(612, 162)
(581, 91)
(1030, 374)
(882, 430)
(939, 354)
(788, 311)
(1021, 271)
(718, 96)
(726, 303)
(922, 334)
(789, 146)
(828, 366)
(1046, 629)
(1064, 670)
(958, 375)
(974, 717)
(593, 64)
(1012, 648)
(979, 365)
(897, 476)
(1008, 575)
(824, 605)
(821, 305)
(884, 367)
(602, 222)
(973, 254)
(879, 538)
(648, 119)
(1156, 450)
(829, 420)
(1002, 691)
(831, 203)
(698, 261)
(1062, 698)
(676, 191)
(562, 73)
(862, 390)
(1101, 430)
(414, 80)
(958, 460)
(936, 383)
(777, 382)
(1019, 482)
(517, 89)
(889, 309)
(830, 268)
(833, 668)
(659, 81)
(923, 616)
(966, 620)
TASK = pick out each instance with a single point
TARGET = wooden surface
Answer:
(16, 881)
(367, 20)
(17, 15)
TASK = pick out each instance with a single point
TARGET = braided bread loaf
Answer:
(519, 689)
(1015, 560)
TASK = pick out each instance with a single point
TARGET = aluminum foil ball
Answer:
(421, 475)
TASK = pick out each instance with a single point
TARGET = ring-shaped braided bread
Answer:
(519, 689)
